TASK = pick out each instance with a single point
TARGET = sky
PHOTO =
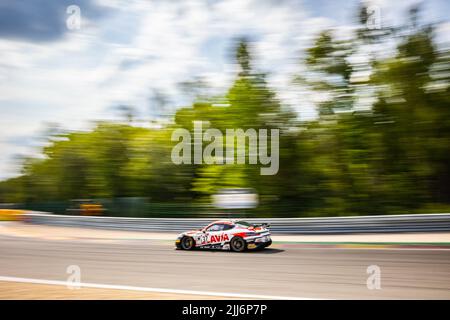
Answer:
(125, 51)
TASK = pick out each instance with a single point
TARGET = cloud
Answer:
(125, 50)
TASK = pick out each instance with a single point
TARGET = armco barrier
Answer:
(358, 224)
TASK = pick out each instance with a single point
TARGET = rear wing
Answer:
(264, 225)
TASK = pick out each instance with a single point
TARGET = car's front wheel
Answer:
(187, 243)
(237, 244)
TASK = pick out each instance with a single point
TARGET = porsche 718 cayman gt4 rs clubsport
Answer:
(234, 235)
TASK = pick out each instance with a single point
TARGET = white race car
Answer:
(235, 235)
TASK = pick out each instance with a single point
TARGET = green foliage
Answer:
(390, 157)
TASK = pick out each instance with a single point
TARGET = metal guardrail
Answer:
(358, 224)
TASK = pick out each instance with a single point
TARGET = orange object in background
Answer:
(91, 209)
(85, 207)
(11, 215)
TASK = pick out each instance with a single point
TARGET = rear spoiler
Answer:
(265, 225)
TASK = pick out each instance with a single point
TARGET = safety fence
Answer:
(355, 224)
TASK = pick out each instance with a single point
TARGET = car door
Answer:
(214, 233)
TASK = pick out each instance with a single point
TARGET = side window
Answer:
(215, 227)
(227, 227)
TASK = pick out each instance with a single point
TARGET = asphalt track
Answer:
(288, 270)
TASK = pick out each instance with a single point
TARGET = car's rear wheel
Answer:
(187, 243)
(238, 244)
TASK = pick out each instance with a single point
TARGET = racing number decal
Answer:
(208, 238)
(203, 239)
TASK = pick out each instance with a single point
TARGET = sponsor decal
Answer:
(219, 238)
(205, 239)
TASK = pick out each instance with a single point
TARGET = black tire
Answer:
(187, 243)
(238, 244)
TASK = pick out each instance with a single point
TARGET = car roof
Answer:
(227, 221)
(224, 221)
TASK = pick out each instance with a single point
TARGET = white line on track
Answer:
(146, 289)
(373, 248)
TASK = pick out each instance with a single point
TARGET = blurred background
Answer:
(358, 90)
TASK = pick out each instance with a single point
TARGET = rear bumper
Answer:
(259, 243)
